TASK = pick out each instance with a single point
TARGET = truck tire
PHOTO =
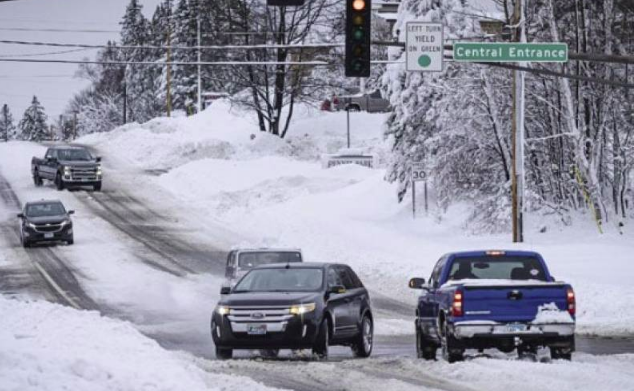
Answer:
(451, 351)
(59, 182)
(320, 348)
(425, 349)
(224, 354)
(363, 343)
(37, 180)
(97, 187)
(560, 354)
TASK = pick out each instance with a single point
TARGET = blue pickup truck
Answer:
(493, 299)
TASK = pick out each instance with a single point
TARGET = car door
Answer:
(339, 304)
(46, 166)
(230, 269)
(358, 294)
(428, 310)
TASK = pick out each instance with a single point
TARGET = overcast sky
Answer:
(54, 84)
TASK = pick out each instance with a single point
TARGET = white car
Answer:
(240, 261)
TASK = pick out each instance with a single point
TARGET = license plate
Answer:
(516, 328)
(256, 329)
(49, 236)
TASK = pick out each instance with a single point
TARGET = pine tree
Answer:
(185, 34)
(33, 124)
(7, 126)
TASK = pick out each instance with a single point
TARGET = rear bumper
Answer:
(486, 335)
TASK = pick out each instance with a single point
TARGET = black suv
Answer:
(294, 306)
(45, 221)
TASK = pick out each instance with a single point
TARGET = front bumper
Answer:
(298, 332)
(31, 235)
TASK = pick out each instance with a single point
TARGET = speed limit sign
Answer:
(418, 173)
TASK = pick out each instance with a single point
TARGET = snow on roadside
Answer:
(268, 191)
(49, 347)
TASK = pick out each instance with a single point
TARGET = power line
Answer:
(151, 63)
(147, 47)
(58, 30)
(43, 54)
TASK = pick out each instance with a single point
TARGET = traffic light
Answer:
(358, 32)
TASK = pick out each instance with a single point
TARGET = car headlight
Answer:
(99, 170)
(66, 222)
(302, 309)
(67, 170)
(31, 225)
(223, 310)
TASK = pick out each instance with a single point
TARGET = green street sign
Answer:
(510, 52)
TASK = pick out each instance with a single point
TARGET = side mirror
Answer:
(98, 159)
(553, 279)
(71, 212)
(20, 215)
(337, 289)
(417, 283)
(225, 290)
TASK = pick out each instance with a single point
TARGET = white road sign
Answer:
(418, 173)
(424, 47)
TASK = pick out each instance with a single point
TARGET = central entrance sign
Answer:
(510, 52)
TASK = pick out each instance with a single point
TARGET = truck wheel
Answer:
(362, 346)
(37, 180)
(224, 354)
(425, 349)
(320, 348)
(561, 354)
(59, 183)
(451, 351)
(70, 242)
(97, 187)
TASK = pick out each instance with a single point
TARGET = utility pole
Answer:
(5, 115)
(517, 184)
(74, 125)
(200, 83)
(125, 96)
(169, 70)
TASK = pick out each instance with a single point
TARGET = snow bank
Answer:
(551, 314)
(50, 347)
(274, 192)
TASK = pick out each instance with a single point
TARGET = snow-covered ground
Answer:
(209, 172)
(49, 347)
(275, 192)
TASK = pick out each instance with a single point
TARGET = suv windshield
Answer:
(74, 155)
(249, 260)
(495, 268)
(43, 210)
(281, 280)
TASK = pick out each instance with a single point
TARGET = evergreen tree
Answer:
(7, 126)
(33, 124)
(184, 80)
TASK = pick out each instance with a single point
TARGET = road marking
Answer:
(59, 290)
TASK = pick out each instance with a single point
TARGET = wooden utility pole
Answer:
(74, 125)
(517, 180)
(200, 82)
(5, 115)
(169, 71)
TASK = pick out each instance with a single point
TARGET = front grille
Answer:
(83, 174)
(48, 228)
(260, 314)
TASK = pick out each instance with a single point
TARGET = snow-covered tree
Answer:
(33, 125)
(7, 126)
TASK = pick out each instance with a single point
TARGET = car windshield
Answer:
(496, 268)
(281, 280)
(43, 210)
(74, 155)
(251, 259)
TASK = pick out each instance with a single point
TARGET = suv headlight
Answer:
(223, 310)
(302, 309)
(66, 170)
(66, 222)
(31, 225)
(99, 170)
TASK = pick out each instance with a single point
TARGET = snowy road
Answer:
(172, 244)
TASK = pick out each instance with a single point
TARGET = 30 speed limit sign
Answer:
(418, 174)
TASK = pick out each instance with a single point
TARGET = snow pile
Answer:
(551, 314)
(50, 347)
(498, 282)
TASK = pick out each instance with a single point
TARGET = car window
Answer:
(435, 275)
(50, 153)
(251, 259)
(346, 278)
(74, 155)
(495, 267)
(334, 279)
(355, 279)
(44, 210)
(281, 280)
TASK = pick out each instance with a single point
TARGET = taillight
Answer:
(456, 306)
(570, 300)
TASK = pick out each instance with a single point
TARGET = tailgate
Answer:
(511, 303)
